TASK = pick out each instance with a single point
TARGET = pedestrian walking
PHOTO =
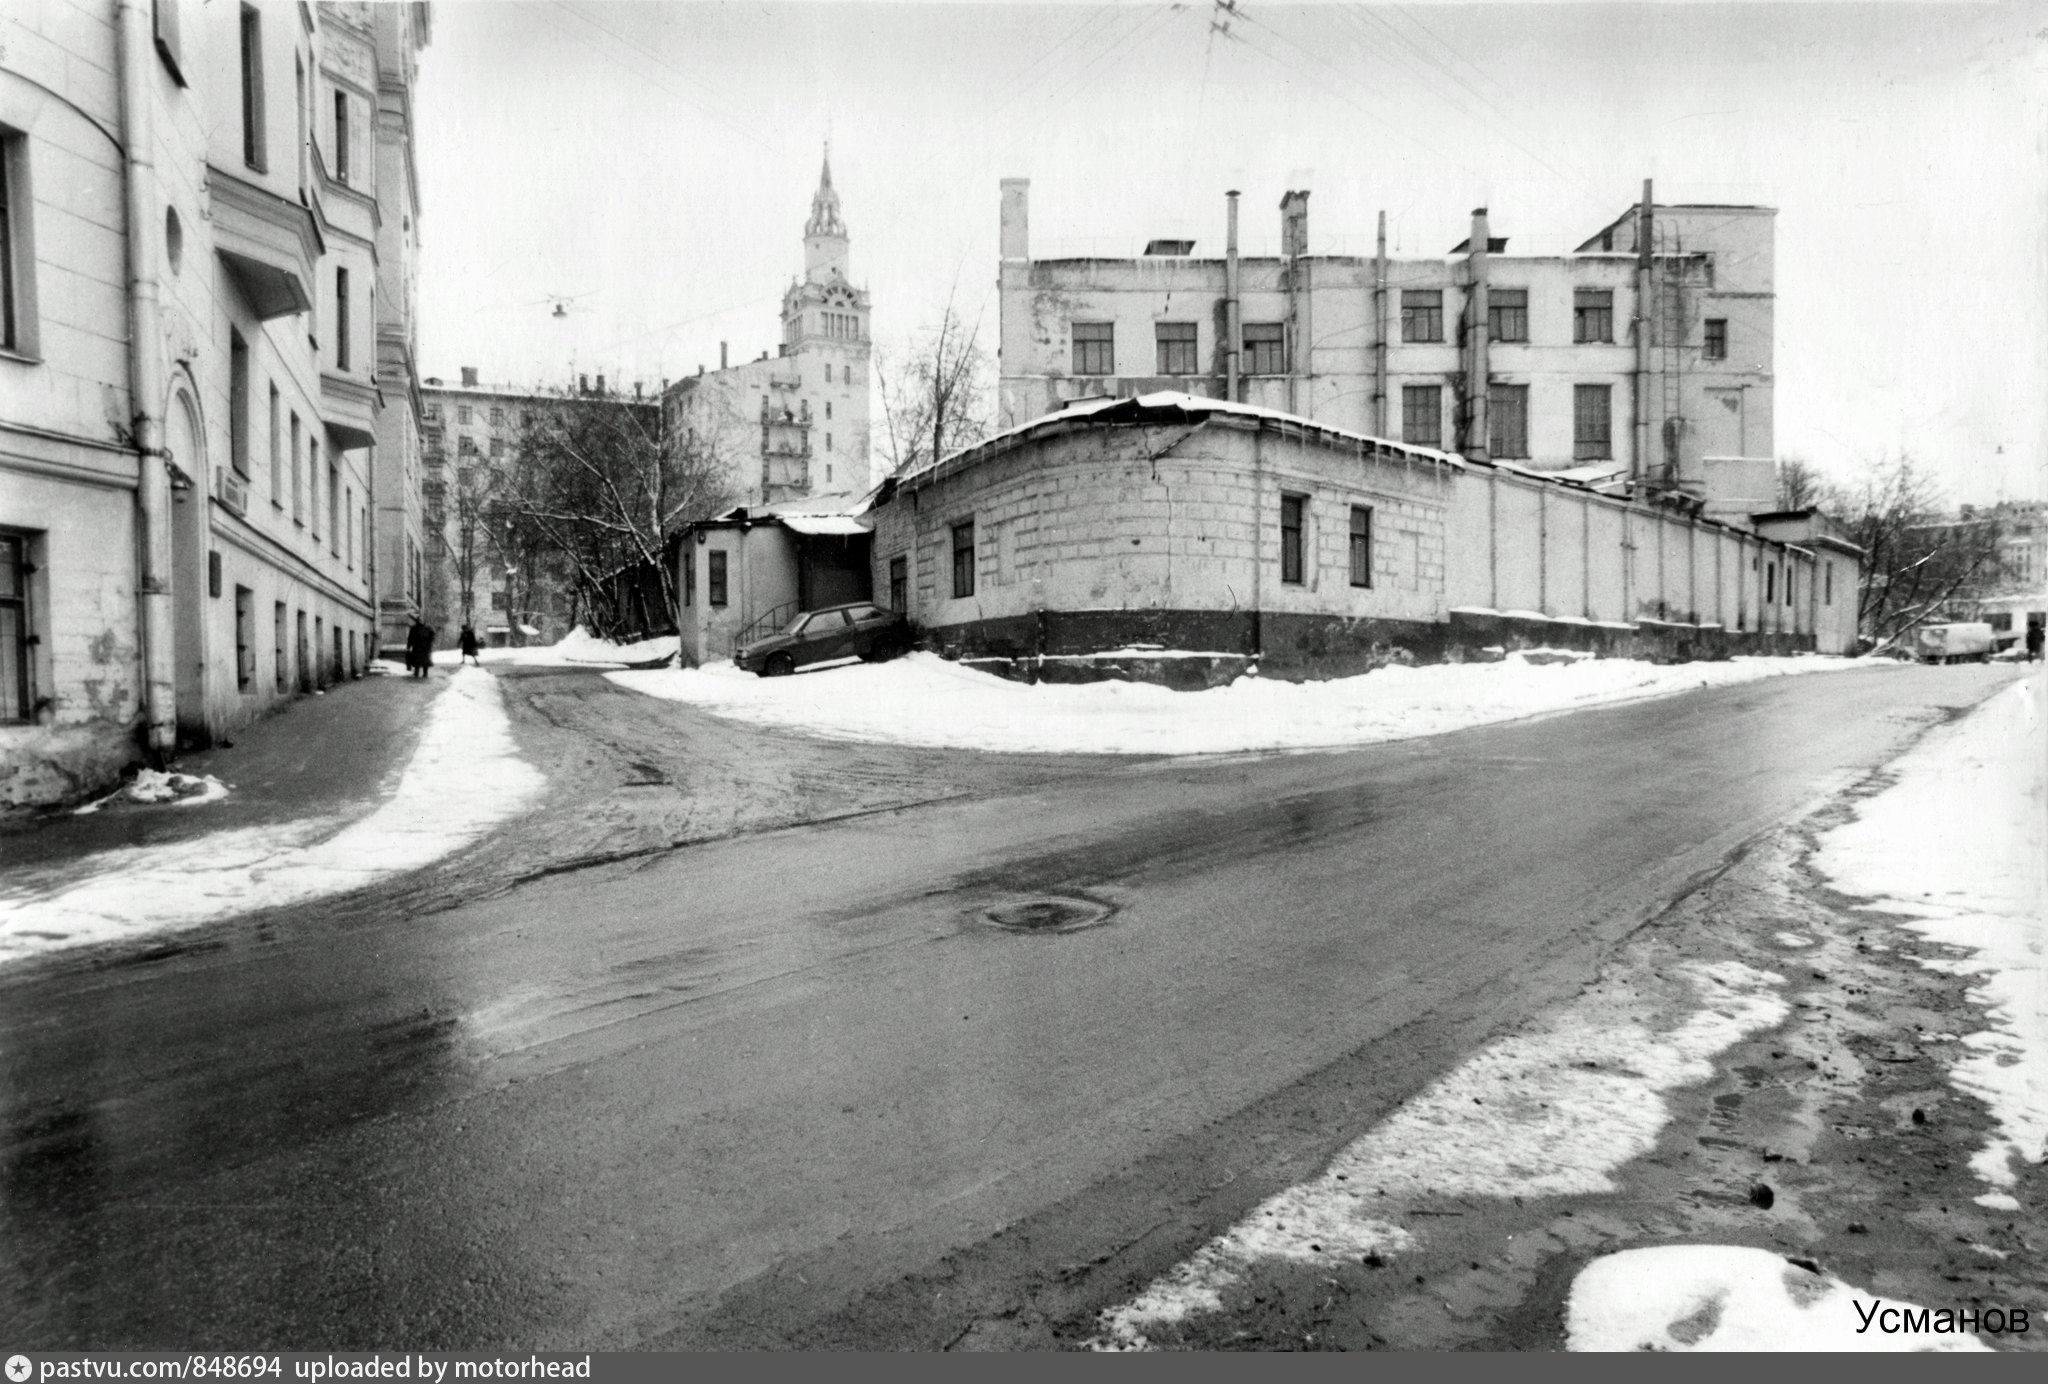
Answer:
(419, 647)
(467, 639)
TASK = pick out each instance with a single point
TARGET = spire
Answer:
(825, 205)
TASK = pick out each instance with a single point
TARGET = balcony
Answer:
(349, 409)
(269, 245)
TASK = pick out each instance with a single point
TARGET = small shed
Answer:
(753, 569)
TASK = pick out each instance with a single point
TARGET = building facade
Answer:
(793, 424)
(193, 372)
(1638, 356)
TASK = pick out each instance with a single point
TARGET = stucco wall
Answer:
(761, 574)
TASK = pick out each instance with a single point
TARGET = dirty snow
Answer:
(577, 648)
(1957, 848)
(156, 786)
(1548, 1112)
(1730, 1297)
(464, 777)
(924, 700)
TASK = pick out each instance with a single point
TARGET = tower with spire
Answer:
(825, 335)
(825, 242)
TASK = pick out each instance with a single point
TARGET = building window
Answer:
(1422, 414)
(245, 639)
(1292, 508)
(828, 374)
(1593, 314)
(1422, 314)
(715, 579)
(497, 416)
(1265, 348)
(1361, 545)
(298, 479)
(1828, 589)
(313, 484)
(340, 319)
(497, 446)
(828, 411)
(1771, 584)
(278, 633)
(276, 450)
(341, 135)
(252, 88)
(1717, 339)
(464, 415)
(348, 501)
(333, 507)
(963, 559)
(500, 601)
(15, 258)
(689, 572)
(828, 442)
(16, 639)
(899, 585)
(465, 446)
(1094, 348)
(1592, 422)
(238, 408)
(1507, 315)
(1176, 347)
(1507, 420)
(432, 413)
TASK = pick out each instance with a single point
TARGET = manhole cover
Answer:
(1054, 913)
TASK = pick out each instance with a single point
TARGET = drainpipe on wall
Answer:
(1639, 470)
(1477, 378)
(1379, 314)
(146, 388)
(1230, 322)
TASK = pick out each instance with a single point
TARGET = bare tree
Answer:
(1800, 485)
(939, 397)
(1919, 560)
(598, 484)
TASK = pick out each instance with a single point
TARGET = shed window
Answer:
(1292, 508)
(963, 559)
(1593, 314)
(1507, 316)
(1094, 348)
(1422, 314)
(1265, 348)
(1361, 545)
(689, 572)
(714, 578)
(1176, 347)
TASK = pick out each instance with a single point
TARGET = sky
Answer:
(652, 163)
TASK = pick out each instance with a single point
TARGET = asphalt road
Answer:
(726, 1094)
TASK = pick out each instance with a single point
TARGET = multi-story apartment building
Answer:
(200, 280)
(795, 423)
(1639, 355)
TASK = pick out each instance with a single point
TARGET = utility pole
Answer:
(1640, 467)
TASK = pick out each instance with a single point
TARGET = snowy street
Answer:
(717, 1009)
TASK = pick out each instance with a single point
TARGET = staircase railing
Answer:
(772, 622)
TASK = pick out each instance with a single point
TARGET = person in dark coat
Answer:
(467, 639)
(419, 647)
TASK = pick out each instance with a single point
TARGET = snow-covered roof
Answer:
(834, 513)
(1167, 406)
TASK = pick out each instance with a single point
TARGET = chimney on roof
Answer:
(583, 384)
(600, 384)
(469, 377)
(721, 355)
(1294, 224)
(636, 389)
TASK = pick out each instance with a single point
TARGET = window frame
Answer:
(1408, 429)
(1593, 316)
(1092, 349)
(25, 640)
(1586, 445)
(255, 150)
(899, 584)
(341, 317)
(1497, 394)
(1361, 547)
(1507, 316)
(1422, 323)
(1266, 353)
(716, 588)
(238, 410)
(963, 560)
(18, 334)
(1714, 338)
(1293, 539)
(1183, 345)
(341, 135)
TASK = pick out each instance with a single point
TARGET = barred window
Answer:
(1361, 545)
(1592, 422)
(1265, 348)
(1094, 348)
(1422, 414)
(1422, 314)
(1507, 315)
(1507, 420)
(1292, 508)
(1593, 314)
(1176, 347)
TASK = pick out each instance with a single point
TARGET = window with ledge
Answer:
(715, 578)
(276, 449)
(238, 408)
(17, 258)
(690, 576)
(1507, 315)
(1422, 314)
(899, 585)
(1716, 347)
(341, 136)
(1422, 414)
(1592, 422)
(1507, 421)
(252, 88)
(1265, 348)
(340, 318)
(1593, 314)
(963, 560)
(245, 639)
(464, 415)
(1094, 348)
(1361, 545)
(298, 477)
(1176, 341)
(1293, 509)
(497, 416)
(17, 639)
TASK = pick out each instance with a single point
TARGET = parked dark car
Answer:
(818, 636)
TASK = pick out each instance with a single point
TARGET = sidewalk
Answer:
(370, 780)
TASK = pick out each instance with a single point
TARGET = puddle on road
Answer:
(1049, 913)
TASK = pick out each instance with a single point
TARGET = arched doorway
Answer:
(187, 446)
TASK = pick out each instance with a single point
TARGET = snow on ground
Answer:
(1958, 848)
(924, 700)
(156, 786)
(1731, 1297)
(464, 777)
(574, 649)
(1549, 1112)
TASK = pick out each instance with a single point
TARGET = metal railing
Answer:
(770, 623)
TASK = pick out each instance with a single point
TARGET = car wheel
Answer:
(778, 666)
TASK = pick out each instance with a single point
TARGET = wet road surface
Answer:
(711, 1094)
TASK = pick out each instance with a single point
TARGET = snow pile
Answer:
(924, 700)
(1550, 1112)
(577, 648)
(1958, 847)
(464, 778)
(156, 786)
(1729, 1297)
